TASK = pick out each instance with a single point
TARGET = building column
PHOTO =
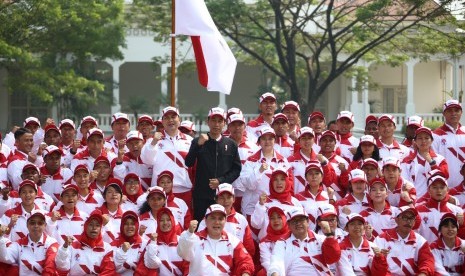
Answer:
(356, 107)
(222, 102)
(164, 85)
(116, 107)
(455, 78)
(410, 105)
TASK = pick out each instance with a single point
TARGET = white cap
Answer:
(387, 117)
(306, 130)
(296, 212)
(169, 109)
(187, 125)
(68, 122)
(346, 114)
(368, 139)
(216, 111)
(236, 118)
(291, 104)
(451, 103)
(436, 175)
(119, 116)
(215, 208)
(94, 131)
(224, 188)
(267, 95)
(354, 216)
(234, 110)
(279, 116)
(415, 121)
(266, 130)
(391, 160)
(51, 149)
(31, 120)
(134, 134)
(326, 210)
(89, 119)
(357, 175)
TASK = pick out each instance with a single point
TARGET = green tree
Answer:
(50, 49)
(308, 44)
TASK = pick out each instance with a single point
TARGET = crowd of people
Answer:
(272, 196)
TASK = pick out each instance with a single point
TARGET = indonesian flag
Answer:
(216, 64)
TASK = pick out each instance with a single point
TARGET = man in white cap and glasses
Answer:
(407, 252)
(214, 251)
(267, 108)
(449, 140)
(167, 151)
(304, 252)
(216, 159)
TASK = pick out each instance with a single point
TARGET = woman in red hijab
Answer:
(130, 249)
(276, 230)
(280, 196)
(167, 241)
(89, 254)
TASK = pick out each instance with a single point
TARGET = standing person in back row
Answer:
(449, 141)
(217, 160)
(267, 108)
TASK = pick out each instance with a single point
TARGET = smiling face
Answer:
(306, 142)
(279, 183)
(386, 129)
(391, 174)
(53, 161)
(145, 128)
(156, 201)
(292, 115)
(372, 129)
(266, 142)
(132, 185)
(28, 195)
(299, 227)
(112, 196)
(276, 221)
(226, 200)
(25, 142)
(69, 199)
(171, 123)
(327, 144)
(216, 125)
(215, 224)
(129, 227)
(31, 174)
(95, 145)
(449, 230)
(166, 183)
(378, 192)
(165, 223)
(82, 178)
(52, 137)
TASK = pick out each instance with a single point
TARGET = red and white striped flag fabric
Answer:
(216, 64)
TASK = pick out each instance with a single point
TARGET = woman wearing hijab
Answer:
(88, 254)
(131, 250)
(132, 190)
(276, 230)
(169, 262)
(280, 187)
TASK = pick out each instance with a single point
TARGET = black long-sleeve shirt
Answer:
(215, 159)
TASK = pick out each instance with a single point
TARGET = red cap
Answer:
(145, 118)
(131, 175)
(392, 161)
(346, 114)
(94, 131)
(353, 217)
(370, 161)
(188, 125)
(69, 187)
(36, 213)
(371, 118)
(134, 135)
(217, 111)
(328, 133)
(51, 149)
(313, 165)
(326, 210)
(114, 182)
(82, 167)
(306, 130)
(25, 183)
(415, 121)
(224, 188)
(215, 208)
(101, 158)
(407, 208)
(291, 104)
(378, 180)
(316, 114)
(368, 139)
(426, 130)
(164, 173)
(52, 127)
(29, 166)
(279, 116)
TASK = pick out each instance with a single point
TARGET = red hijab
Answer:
(132, 198)
(275, 235)
(285, 196)
(98, 241)
(136, 238)
(170, 237)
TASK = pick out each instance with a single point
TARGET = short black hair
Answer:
(446, 221)
(20, 132)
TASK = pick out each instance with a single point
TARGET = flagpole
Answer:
(173, 52)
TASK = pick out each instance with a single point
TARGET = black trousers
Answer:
(200, 207)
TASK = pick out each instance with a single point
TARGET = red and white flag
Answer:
(216, 64)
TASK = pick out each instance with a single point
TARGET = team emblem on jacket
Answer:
(77, 257)
(425, 220)
(443, 142)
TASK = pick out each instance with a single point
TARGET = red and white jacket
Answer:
(80, 259)
(355, 206)
(43, 201)
(345, 143)
(16, 162)
(135, 165)
(169, 154)
(285, 146)
(19, 230)
(168, 261)
(299, 162)
(246, 148)
(311, 256)
(396, 150)
(254, 128)
(408, 256)
(458, 192)
(5, 153)
(415, 169)
(259, 218)
(66, 225)
(450, 143)
(255, 182)
(448, 261)
(380, 221)
(31, 257)
(112, 144)
(85, 158)
(53, 184)
(394, 197)
(337, 186)
(110, 231)
(431, 213)
(90, 202)
(147, 220)
(226, 256)
(360, 261)
(126, 262)
(237, 225)
(312, 203)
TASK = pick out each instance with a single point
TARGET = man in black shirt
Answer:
(217, 162)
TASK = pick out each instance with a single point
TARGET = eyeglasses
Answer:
(409, 219)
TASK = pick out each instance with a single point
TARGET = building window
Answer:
(23, 105)
(394, 99)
